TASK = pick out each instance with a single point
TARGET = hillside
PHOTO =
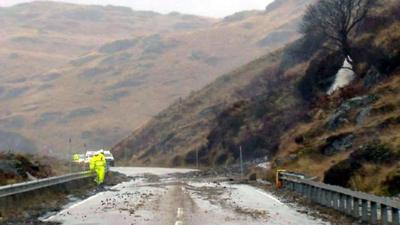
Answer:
(40, 37)
(107, 81)
(45, 35)
(278, 106)
(174, 135)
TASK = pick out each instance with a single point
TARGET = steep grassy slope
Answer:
(183, 127)
(98, 97)
(278, 106)
(187, 126)
(352, 137)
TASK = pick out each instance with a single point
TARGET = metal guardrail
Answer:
(14, 189)
(370, 208)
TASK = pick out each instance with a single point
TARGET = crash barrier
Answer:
(369, 208)
(19, 188)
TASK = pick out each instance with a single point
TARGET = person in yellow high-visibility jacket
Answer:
(76, 158)
(98, 164)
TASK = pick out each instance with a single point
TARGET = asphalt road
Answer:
(159, 197)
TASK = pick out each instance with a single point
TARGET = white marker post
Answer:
(241, 162)
(70, 154)
(197, 158)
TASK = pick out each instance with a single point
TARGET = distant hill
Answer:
(93, 73)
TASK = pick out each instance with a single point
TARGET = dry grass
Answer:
(371, 176)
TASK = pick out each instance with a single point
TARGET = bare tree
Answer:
(336, 19)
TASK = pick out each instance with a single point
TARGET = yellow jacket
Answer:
(101, 160)
(97, 161)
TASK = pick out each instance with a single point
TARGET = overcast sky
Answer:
(213, 8)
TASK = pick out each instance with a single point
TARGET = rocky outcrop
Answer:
(341, 115)
(337, 143)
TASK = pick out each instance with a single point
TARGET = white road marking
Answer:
(179, 217)
(270, 196)
(180, 213)
(72, 206)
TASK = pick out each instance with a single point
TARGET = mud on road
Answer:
(161, 197)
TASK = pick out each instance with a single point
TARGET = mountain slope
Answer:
(45, 35)
(278, 106)
(352, 138)
(98, 97)
(175, 135)
(344, 139)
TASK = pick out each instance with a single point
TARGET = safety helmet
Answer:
(101, 151)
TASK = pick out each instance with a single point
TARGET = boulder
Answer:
(338, 118)
(372, 77)
(337, 143)
(361, 101)
(362, 115)
(9, 167)
(341, 114)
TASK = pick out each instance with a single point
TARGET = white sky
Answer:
(212, 8)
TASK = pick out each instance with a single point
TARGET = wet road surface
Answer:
(157, 196)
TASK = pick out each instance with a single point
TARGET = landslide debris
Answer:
(16, 168)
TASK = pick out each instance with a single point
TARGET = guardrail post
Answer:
(364, 210)
(384, 215)
(312, 193)
(349, 208)
(336, 201)
(290, 185)
(315, 194)
(356, 207)
(342, 202)
(319, 196)
(3, 205)
(322, 196)
(395, 216)
(297, 187)
(308, 191)
(374, 213)
(329, 197)
(301, 188)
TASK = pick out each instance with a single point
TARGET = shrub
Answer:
(253, 177)
(320, 75)
(375, 152)
(392, 183)
(341, 173)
